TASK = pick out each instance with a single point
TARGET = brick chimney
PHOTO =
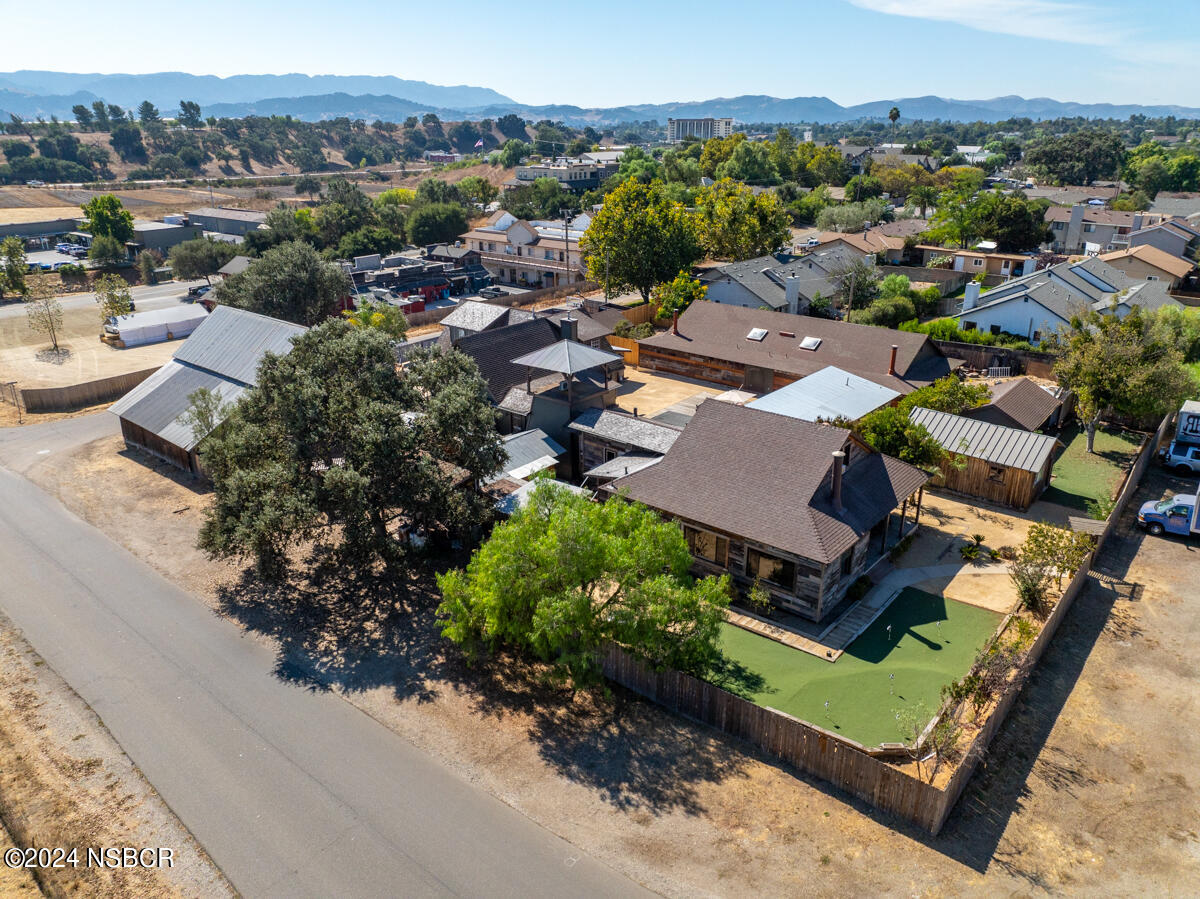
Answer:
(675, 322)
(839, 460)
(569, 327)
(892, 360)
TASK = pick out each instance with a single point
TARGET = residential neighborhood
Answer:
(407, 489)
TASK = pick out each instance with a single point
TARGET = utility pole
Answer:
(566, 246)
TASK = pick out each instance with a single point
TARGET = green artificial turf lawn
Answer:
(1078, 476)
(922, 655)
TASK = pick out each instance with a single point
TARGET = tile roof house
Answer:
(222, 355)
(1009, 466)
(761, 351)
(865, 243)
(1020, 403)
(1036, 304)
(1174, 236)
(800, 508)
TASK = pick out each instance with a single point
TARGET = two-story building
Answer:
(1085, 228)
(575, 175)
(529, 254)
(798, 508)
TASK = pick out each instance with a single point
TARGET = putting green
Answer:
(933, 641)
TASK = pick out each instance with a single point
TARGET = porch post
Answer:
(903, 515)
(920, 496)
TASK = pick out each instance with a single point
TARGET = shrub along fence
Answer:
(862, 772)
(977, 355)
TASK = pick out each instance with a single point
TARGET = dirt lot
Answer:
(65, 782)
(26, 357)
(1089, 789)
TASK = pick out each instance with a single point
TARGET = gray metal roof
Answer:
(566, 357)
(626, 463)
(528, 446)
(471, 315)
(1009, 447)
(235, 266)
(160, 401)
(620, 427)
(231, 342)
(168, 316)
(830, 393)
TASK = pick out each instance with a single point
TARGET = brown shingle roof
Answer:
(1019, 403)
(1152, 255)
(766, 477)
(718, 331)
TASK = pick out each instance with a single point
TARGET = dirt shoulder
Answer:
(1074, 798)
(65, 782)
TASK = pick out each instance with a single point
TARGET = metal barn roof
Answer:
(830, 393)
(1009, 447)
(231, 342)
(159, 402)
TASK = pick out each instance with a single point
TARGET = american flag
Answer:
(479, 143)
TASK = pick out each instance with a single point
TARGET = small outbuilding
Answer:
(1005, 465)
(1021, 403)
(153, 326)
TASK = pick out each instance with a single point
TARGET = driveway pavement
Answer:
(292, 792)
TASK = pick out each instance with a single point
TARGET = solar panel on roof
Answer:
(757, 334)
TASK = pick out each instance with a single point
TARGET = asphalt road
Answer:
(154, 296)
(292, 792)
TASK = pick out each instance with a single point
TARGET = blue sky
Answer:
(630, 51)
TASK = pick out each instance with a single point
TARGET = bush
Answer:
(900, 548)
(627, 329)
(861, 587)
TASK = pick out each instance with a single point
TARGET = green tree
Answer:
(750, 163)
(477, 190)
(113, 297)
(1077, 158)
(200, 258)
(382, 316)
(83, 116)
(673, 297)
(733, 223)
(544, 198)
(893, 117)
(863, 187)
(100, 116)
(885, 312)
(436, 223)
(147, 113)
(565, 577)
(106, 251)
(42, 309)
(189, 115)
(1015, 223)
(147, 262)
(309, 185)
(333, 444)
(888, 430)
(511, 125)
(923, 196)
(639, 238)
(1118, 364)
(511, 154)
(290, 282)
(13, 267)
(104, 215)
(717, 151)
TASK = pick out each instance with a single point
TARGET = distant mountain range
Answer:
(314, 97)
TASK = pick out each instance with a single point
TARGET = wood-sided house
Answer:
(799, 507)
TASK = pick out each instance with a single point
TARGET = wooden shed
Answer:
(1008, 466)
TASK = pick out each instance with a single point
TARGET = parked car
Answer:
(492, 292)
(1175, 515)
(195, 293)
(1183, 458)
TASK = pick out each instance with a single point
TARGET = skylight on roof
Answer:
(810, 343)
(757, 334)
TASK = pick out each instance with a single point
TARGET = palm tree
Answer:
(924, 196)
(894, 114)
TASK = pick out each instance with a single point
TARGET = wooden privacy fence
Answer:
(842, 762)
(628, 344)
(647, 312)
(76, 396)
(845, 764)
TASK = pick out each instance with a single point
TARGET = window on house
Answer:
(1005, 265)
(848, 562)
(1151, 277)
(1058, 226)
(995, 329)
(1037, 335)
(1088, 229)
(610, 454)
(781, 572)
(996, 474)
(968, 326)
(977, 263)
(706, 545)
